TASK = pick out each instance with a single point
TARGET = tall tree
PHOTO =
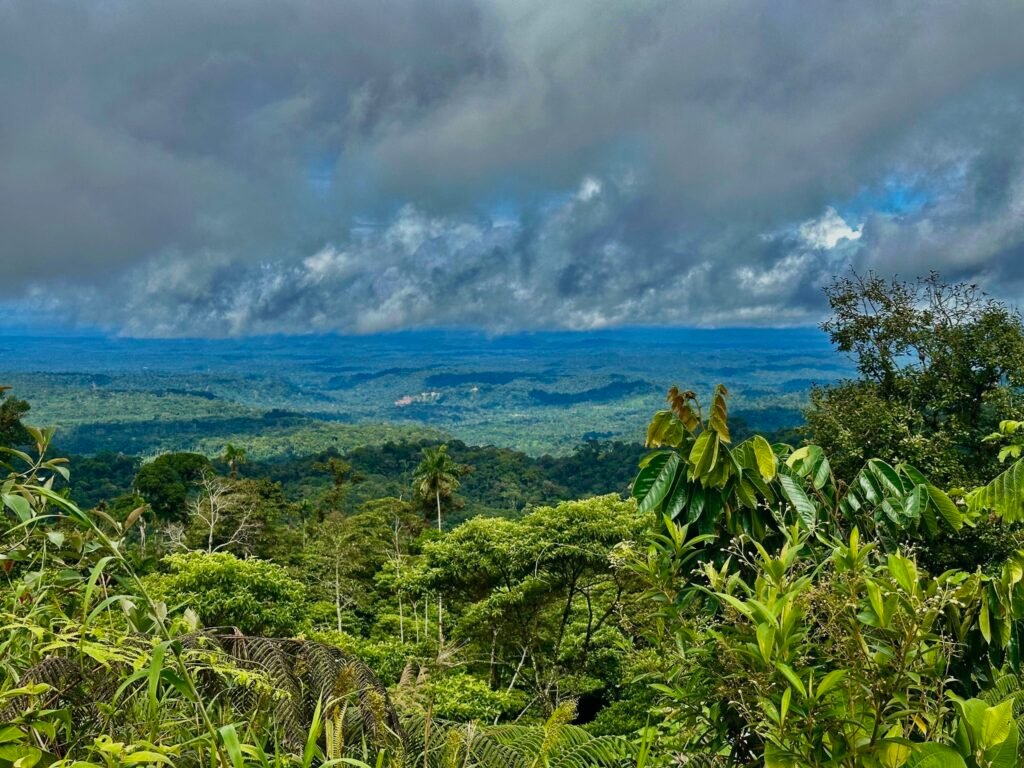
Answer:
(234, 457)
(437, 477)
(939, 366)
(343, 476)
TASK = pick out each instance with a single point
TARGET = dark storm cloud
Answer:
(241, 167)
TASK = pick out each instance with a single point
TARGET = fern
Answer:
(465, 745)
(305, 677)
(555, 744)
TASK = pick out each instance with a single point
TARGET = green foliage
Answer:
(102, 478)
(437, 478)
(12, 411)
(833, 664)
(695, 476)
(167, 481)
(536, 594)
(234, 457)
(751, 606)
(799, 647)
(938, 366)
(1004, 495)
(756, 489)
(254, 596)
(465, 697)
(986, 735)
(554, 744)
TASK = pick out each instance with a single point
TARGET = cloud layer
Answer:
(250, 166)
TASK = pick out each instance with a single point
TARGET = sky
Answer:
(236, 167)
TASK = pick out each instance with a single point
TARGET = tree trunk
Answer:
(337, 594)
(440, 625)
(401, 620)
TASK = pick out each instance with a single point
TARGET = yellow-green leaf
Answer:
(767, 461)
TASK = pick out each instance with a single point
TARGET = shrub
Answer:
(255, 596)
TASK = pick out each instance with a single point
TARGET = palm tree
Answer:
(233, 457)
(437, 476)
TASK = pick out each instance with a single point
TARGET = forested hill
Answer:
(539, 393)
(496, 481)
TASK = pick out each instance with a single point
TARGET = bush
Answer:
(464, 697)
(257, 597)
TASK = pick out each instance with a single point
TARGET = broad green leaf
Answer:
(950, 512)
(877, 601)
(229, 737)
(984, 620)
(1004, 755)
(778, 758)
(996, 724)
(904, 571)
(914, 503)
(895, 751)
(798, 499)
(798, 456)
(145, 756)
(736, 603)
(822, 471)
(935, 756)
(887, 476)
(767, 461)
(661, 483)
(766, 640)
(650, 468)
(664, 429)
(703, 455)
(677, 498)
(746, 493)
(697, 504)
(19, 505)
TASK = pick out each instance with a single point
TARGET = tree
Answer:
(12, 410)
(346, 553)
(537, 596)
(167, 481)
(234, 457)
(437, 477)
(222, 518)
(938, 366)
(257, 597)
(343, 477)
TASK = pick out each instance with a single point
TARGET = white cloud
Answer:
(589, 189)
(828, 230)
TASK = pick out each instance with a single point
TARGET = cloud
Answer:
(257, 166)
(828, 230)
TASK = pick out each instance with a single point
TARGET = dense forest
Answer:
(846, 594)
